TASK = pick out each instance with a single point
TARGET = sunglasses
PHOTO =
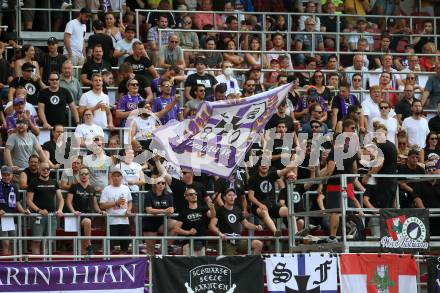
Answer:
(433, 138)
(174, 42)
(161, 183)
(134, 84)
(53, 79)
(319, 112)
(316, 126)
(45, 169)
(384, 107)
(191, 193)
(357, 79)
(84, 174)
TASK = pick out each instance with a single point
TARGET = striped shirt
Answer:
(50, 64)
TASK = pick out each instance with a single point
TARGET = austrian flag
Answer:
(376, 273)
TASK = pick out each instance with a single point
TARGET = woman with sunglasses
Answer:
(157, 201)
(390, 122)
(432, 148)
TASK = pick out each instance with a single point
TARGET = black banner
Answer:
(231, 274)
(433, 274)
(404, 230)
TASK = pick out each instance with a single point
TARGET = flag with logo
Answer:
(377, 273)
(231, 274)
(404, 230)
(308, 273)
(433, 274)
(217, 138)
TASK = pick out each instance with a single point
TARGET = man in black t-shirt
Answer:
(261, 193)
(341, 102)
(96, 64)
(140, 62)
(193, 221)
(31, 84)
(52, 103)
(29, 173)
(281, 115)
(333, 188)
(406, 190)
(81, 198)
(180, 186)
(101, 38)
(52, 61)
(427, 195)
(41, 196)
(200, 77)
(228, 224)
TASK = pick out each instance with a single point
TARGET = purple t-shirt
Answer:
(155, 87)
(305, 101)
(11, 121)
(159, 103)
(128, 103)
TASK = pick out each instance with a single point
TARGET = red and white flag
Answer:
(377, 273)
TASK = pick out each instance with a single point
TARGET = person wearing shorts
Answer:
(44, 197)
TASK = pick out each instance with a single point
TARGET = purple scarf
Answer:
(344, 105)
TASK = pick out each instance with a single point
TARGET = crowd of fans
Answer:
(371, 90)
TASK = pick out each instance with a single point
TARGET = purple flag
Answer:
(119, 275)
(217, 138)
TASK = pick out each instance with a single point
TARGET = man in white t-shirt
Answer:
(416, 126)
(98, 102)
(124, 47)
(74, 36)
(228, 79)
(370, 106)
(116, 200)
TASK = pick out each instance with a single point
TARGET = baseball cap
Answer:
(27, 66)
(7, 170)
(201, 60)
(115, 170)
(18, 100)
(52, 40)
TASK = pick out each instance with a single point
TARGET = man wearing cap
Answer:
(31, 85)
(20, 113)
(361, 31)
(74, 36)
(21, 145)
(100, 37)
(116, 200)
(406, 190)
(10, 202)
(124, 47)
(52, 103)
(43, 197)
(52, 61)
(96, 64)
(228, 224)
(200, 77)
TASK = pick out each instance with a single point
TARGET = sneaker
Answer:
(332, 240)
(89, 250)
(314, 227)
(66, 5)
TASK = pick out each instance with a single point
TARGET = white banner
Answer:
(314, 272)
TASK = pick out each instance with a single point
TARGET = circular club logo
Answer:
(414, 229)
(30, 88)
(265, 186)
(54, 100)
(232, 218)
